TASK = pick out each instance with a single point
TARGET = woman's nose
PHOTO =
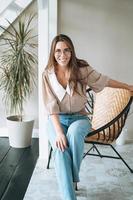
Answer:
(62, 54)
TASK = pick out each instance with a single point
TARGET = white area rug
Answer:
(101, 179)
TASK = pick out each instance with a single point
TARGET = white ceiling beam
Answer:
(4, 4)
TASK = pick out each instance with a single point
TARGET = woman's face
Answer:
(62, 54)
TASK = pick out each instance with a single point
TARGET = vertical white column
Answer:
(53, 19)
(47, 29)
(42, 61)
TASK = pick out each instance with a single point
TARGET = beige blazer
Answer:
(59, 100)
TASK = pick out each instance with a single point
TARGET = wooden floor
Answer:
(16, 168)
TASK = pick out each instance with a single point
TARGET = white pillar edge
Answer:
(47, 29)
(42, 60)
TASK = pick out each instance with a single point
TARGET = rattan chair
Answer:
(107, 131)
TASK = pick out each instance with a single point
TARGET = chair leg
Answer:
(75, 184)
(49, 157)
(85, 154)
(131, 170)
(76, 187)
(93, 148)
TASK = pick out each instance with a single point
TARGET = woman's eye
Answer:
(58, 51)
(64, 51)
(67, 50)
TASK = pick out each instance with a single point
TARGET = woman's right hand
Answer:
(61, 142)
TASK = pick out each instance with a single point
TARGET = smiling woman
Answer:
(65, 80)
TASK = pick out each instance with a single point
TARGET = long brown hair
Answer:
(74, 63)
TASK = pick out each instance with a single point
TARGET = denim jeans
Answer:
(67, 163)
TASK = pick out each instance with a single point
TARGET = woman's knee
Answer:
(61, 154)
(79, 128)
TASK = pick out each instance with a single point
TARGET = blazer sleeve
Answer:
(95, 80)
(50, 101)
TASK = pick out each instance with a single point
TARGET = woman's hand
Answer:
(61, 142)
(130, 88)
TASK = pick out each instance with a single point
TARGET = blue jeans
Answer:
(67, 163)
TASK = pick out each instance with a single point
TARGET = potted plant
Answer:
(18, 78)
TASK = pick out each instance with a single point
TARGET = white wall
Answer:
(102, 32)
(31, 107)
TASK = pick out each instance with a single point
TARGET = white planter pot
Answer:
(20, 132)
(121, 140)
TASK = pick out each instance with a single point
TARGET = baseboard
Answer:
(4, 133)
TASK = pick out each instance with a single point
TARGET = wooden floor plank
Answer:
(7, 167)
(4, 147)
(22, 174)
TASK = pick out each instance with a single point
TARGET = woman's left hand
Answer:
(130, 88)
